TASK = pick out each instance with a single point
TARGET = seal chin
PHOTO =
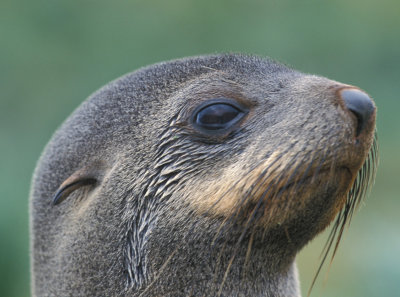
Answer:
(321, 194)
(341, 175)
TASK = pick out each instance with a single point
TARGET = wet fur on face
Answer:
(173, 210)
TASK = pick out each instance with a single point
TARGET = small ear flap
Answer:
(88, 175)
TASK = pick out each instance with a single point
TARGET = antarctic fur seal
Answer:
(201, 176)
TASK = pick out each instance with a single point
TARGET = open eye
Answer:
(218, 115)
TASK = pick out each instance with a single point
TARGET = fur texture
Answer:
(145, 204)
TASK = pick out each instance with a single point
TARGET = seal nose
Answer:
(360, 104)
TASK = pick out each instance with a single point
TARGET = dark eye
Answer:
(218, 116)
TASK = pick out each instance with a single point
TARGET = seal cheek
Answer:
(236, 191)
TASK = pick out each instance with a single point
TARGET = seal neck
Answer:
(203, 264)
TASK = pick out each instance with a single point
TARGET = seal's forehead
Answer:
(225, 61)
(186, 69)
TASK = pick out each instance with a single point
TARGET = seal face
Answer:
(198, 177)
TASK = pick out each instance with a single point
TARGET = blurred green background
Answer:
(53, 54)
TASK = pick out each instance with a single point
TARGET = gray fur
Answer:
(136, 231)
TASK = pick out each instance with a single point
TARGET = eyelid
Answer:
(89, 175)
(222, 100)
(64, 191)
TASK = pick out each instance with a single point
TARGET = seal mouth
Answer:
(365, 177)
(264, 205)
(326, 171)
(280, 186)
(271, 201)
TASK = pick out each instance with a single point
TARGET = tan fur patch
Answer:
(275, 182)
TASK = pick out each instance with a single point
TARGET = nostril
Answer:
(360, 104)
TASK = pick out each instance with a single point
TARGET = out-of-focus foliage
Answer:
(53, 54)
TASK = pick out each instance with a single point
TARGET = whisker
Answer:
(157, 276)
(245, 228)
(362, 184)
(248, 252)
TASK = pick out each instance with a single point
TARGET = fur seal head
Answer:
(198, 177)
